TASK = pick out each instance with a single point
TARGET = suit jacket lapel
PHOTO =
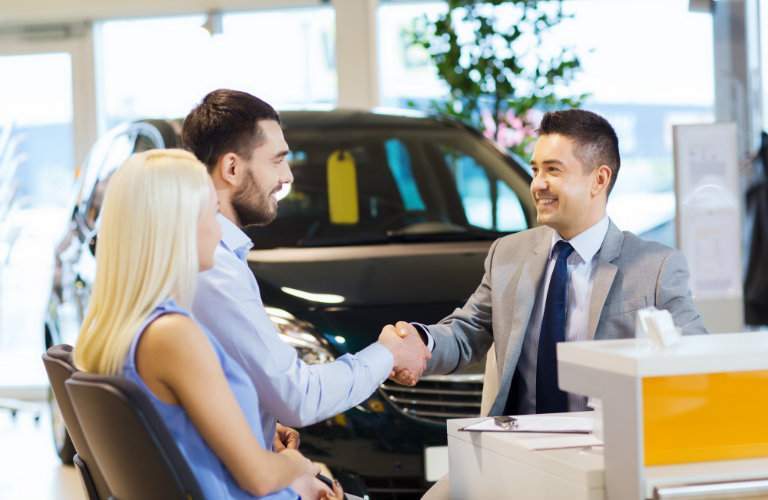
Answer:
(520, 297)
(604, 275)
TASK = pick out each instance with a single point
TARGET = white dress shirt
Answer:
(581, 276)
(228, 302)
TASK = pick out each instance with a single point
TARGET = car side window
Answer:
(489, 203)
(399, 162)
(510, 215)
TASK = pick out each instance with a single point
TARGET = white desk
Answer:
(687, 414)
(487, 465)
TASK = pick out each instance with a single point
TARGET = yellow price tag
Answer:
(342, 188)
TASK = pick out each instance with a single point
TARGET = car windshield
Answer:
(379, 185)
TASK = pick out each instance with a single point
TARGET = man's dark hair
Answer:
(227, 121)
(596, 141)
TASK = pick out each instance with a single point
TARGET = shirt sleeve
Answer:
(297, 394)
(426, 337)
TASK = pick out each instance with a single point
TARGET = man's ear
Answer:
(228, 169)
(602, 180)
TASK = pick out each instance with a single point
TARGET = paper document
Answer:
(534, 423)
(561, 441)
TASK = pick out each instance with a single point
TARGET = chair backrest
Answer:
(129, 440)
(87, 479)
(60, 367)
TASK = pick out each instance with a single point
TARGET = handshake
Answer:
(408, 350)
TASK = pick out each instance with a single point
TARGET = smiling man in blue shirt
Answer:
(239, 138)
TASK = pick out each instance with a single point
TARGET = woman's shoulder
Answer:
(173, 323)
(169, 332)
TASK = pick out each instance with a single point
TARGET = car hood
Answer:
(351, 292)
(371, 275)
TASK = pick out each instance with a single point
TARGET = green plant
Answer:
(500, 74)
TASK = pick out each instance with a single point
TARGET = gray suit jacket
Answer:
(630, 274)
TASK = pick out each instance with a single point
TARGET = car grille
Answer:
(398, 488)
(437, 397)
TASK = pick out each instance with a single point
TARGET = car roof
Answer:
(344, 118)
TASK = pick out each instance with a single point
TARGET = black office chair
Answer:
(129, 441)
(59, 366)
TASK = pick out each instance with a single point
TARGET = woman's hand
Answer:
(303, 463)
(338, 493)
(311, 488)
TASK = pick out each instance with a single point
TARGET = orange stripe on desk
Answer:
(705, 417)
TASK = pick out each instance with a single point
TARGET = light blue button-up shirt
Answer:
(228, 302)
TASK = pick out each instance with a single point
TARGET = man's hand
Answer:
(405, 329)
(285, 438)
(404, 376)
(409, 351)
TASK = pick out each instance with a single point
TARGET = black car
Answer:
(389, 217)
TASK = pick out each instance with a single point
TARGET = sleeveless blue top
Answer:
(214, 478)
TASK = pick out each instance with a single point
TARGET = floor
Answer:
(29, 467)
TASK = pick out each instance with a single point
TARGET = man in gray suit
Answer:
(575, 277)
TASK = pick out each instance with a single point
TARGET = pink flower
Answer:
(533, 118)
(513, 130)
(489, 125)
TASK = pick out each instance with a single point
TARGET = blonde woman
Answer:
(158, 229)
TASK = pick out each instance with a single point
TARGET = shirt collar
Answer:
(587, 243)
(233, 238)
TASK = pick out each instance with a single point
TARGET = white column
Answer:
(738, 86)
(356, 53)
(738, 99)
(84, 95)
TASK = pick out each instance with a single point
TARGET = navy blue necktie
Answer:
(549, 398)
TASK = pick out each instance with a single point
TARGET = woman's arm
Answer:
(177, 361)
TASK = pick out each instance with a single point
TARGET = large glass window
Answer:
(162, 67)
(36, 182)
(644, 84)
(647, 65)
(406, 71)
(36, 157)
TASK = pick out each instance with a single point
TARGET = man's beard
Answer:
(252, 205)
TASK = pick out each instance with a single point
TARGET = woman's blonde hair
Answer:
(146, 251)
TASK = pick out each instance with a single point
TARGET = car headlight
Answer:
(298, 334)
